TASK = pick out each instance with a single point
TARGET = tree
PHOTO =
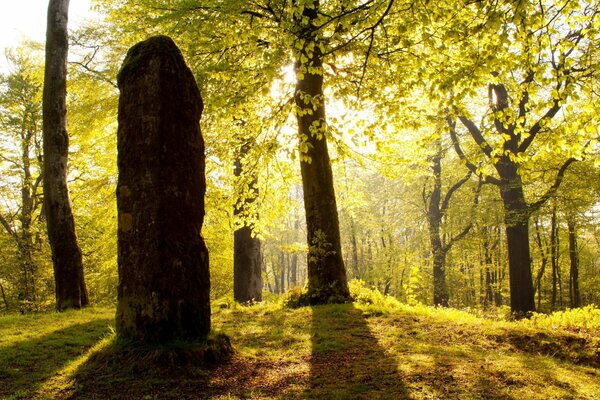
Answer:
(326, 271)
(20, 148)
(69, 280)
(525, 96)
(436, 207)
(575, 294)
(247, 257)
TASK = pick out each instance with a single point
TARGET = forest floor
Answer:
(349, 351)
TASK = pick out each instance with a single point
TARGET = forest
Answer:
(397, 199)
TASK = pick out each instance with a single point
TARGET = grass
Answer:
(367, 350)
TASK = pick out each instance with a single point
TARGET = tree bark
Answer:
(516, 219)
(66, 254)
(544, 259)
(327, 279)
(4, 299)
(247, 279)
(554, 257)
(164, 283)
(574, 258)
(434, 217)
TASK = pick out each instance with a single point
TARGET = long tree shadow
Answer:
(117, 370)
(28, 364)
(347, 361)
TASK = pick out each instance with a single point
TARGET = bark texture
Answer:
(66, 254)
(164, 284)
(574, 259)
(247, 279)
(326, 272)
(516, 220)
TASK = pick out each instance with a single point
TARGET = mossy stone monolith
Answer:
(164, 284)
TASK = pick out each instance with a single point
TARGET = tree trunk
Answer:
(434, 217)
(574, 257)
(164, 283)
(544, 258)
(294, 270)
(554, 257)
(516, 217)
(66, 255)
(354, 244)
(282, 271)
(4, 298)
(247, 279)
(489, 280)
(326, 272)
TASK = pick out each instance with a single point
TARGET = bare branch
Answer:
(467, 228)
(7, 226)
(451, 191)
(552, 190)
(487, 179)
(476, 135)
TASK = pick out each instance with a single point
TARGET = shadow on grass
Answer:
(178, 371)
(26, 366)
(347, 361)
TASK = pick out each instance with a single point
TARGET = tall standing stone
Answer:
(164, 284)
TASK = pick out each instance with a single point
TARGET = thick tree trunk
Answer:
(516, 217)
(326, 272)
(574, 258)
(247, 279)
(66, 255)
(164, 283)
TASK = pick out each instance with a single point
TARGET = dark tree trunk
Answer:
(434, 217)
(355, 267)
(4, 298)
(275, 275)
(554, 257)
(66, 255)
(489, 281)
(574, 258)
(294, 270)
(516, 219)
(164, 284)
(247, 279)
(544, 258)
(282, 271)
(326, 272)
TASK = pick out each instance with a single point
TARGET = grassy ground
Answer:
(351, 351)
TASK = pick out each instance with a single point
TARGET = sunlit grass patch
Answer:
(369, 350)
(36, 347)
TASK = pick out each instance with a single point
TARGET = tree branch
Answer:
(467, 228)
(476, 134)
(451, 191)
(463, 157)
(552, 190)
(8, 227)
